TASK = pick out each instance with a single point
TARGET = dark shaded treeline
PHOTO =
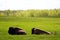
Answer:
(31, 13)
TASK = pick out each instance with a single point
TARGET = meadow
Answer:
(27, 23)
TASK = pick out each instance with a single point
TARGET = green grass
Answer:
(47, 24)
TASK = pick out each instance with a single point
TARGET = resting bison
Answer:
(16, 31)
(38, 31)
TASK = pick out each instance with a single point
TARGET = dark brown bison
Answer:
(38, 31)
(16, 31)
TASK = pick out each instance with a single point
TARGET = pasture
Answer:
(27, 23)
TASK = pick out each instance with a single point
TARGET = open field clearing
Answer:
(47, 24)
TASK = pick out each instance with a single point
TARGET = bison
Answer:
(38, 31)
(16, 31)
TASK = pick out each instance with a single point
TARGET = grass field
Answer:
(47, 24)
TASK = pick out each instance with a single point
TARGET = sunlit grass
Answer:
(47, 24)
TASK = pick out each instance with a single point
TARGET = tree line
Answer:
(31, 13)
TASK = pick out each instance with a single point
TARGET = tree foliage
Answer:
(31, 13)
